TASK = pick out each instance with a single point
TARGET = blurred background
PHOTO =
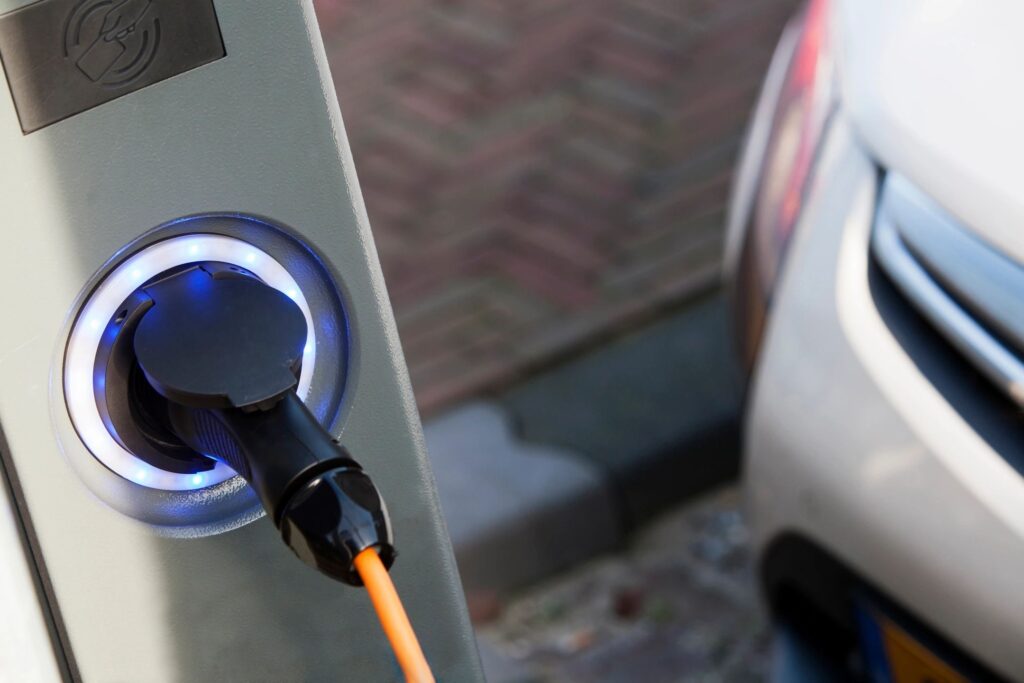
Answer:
(547, 182)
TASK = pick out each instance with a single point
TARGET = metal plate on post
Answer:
(62, 57)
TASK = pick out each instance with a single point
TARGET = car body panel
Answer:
(849, 445)
(930, 89)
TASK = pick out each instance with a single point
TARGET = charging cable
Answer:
(392, 617)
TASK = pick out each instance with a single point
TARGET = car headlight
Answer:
(797, 124)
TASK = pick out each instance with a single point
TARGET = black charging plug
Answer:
(225, 351)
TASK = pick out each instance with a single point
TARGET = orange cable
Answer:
(392, 617)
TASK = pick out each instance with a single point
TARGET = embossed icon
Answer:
(112, 42)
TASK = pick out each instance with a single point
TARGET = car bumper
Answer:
(849, 445)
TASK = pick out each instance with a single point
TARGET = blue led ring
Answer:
(104, 302)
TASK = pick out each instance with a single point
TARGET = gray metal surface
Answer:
(27, 647)
(260, 132)
(980, 275)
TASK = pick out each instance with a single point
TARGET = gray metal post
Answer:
(257, 131)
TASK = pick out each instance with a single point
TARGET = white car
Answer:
(875, 255)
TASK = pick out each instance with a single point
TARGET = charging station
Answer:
(138, 139)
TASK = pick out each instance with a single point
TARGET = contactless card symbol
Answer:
(63, 57)
(112, 42)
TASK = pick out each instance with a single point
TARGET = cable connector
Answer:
(333, 518)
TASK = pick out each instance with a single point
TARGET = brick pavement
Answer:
(541, 173)
(678, 604)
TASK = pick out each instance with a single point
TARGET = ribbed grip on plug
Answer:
(211, 438)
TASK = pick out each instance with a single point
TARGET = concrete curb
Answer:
(516, 512)
(566, 464)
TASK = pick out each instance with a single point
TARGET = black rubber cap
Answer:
(220, 342)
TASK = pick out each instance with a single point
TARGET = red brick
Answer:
(541, 171)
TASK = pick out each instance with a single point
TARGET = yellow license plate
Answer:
(911, 662)
(897, 657)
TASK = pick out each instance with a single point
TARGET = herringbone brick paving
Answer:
(541, 173)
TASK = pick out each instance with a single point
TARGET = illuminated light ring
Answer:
(103, 304)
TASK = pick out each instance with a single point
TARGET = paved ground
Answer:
(541, 173)
(678, 605)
